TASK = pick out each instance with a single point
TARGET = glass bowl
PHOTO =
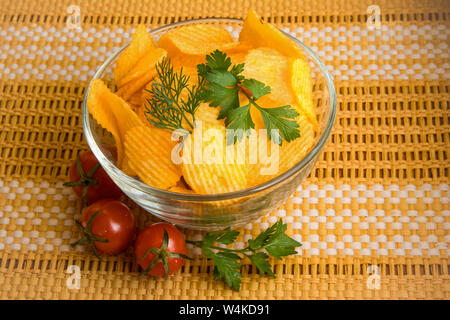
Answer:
(216, 211)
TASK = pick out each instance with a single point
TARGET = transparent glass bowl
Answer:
(215, 211)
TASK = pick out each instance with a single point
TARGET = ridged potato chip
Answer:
(141, 42)
(112, 113)
(135, 101)
(131, 87)
(141, 114)
(206, 168)
(235, 50)
(263, 34)
(149, 153)
(199, 39)
(270, 67)
(208, 114)
(178, 189)
(301, 83)
(126, 167)
(144, 65)
(289, 153)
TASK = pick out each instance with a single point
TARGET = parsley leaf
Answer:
(260, 260)
(240, 120)
(257, 88)
(222, 88)
(277, 120)
(226, 261)
(226, 266)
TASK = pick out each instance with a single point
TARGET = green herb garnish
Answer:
(166, 109)
(223, 84)
(219, 84)
(226, 261)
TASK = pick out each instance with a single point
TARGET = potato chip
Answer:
(131, 87)
(181, 190)
(112, 113)
(270, 67)
(301, 83)
(207, 167)
(236, 48)
(141, 42)
(198, 39)
(289, 154)
(187, 61)
(238, 57)
(263, 34)
(141, 114)
(145, 65)
(208, 114)
(149, 153)
(135, 101)
(126, 167)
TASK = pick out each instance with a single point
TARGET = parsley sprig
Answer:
(226, 261)
(166, 108)
(224, 81)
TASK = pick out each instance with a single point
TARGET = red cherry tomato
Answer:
(97, 183)
(173, 252)
(112, 228)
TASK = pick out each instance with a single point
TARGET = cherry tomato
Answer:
(86, 175)
(160, 249)
(108, 226)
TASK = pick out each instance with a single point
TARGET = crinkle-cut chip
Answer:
(235, 50)
(145, 94)
(207, 114)
(236, 47)
(181, 190)
(141, 42)
(238, 57)
(141, 114)
(126, 167)
(130, 88)
(301, 83)
(198, 39)
(112, 113)
(207, 167)
(149, 153)
(289, 154)
(271, 68)
(135, 101)
(145, 65)
(187, 61)
(263, 34)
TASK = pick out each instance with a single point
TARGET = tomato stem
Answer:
(85, 180)
(88, 236)
(162, 255)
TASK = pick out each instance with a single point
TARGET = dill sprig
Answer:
(166, 108)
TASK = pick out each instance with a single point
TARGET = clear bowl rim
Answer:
(144, 188)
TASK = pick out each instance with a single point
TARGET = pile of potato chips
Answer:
(149, 152)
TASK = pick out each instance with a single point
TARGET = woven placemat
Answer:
(376, 205)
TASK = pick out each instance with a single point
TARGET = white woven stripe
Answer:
(76, 45)
(436, 201)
